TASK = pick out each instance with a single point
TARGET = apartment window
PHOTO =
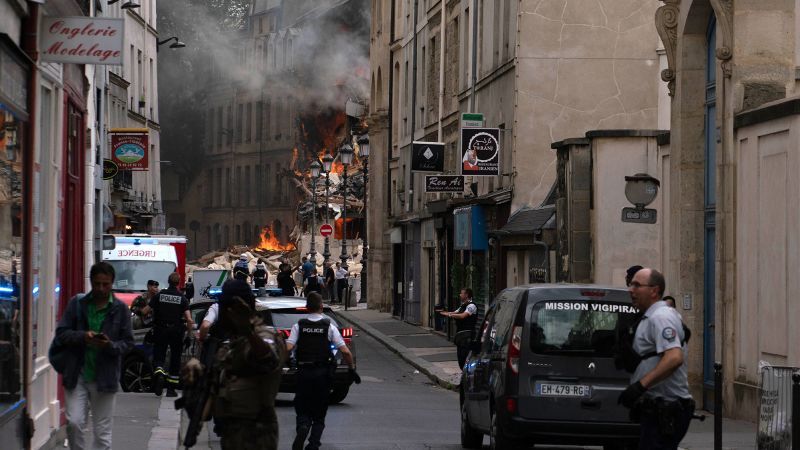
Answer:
(210, 193)
(267, 183)
(139, 74)
(240, 187)
(248, 123)
(277, 184)
(152, 87)
(247, 187)
(219, 188)
(257, 177)
(259, 121)
(228, 131)
(218, 136)
(228, 186)
(268, 120)
(239, 120)
(238, 234)
(210, 117)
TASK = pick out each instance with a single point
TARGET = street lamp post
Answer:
(327, 164)
(315, 168)
(363, 152)
(346, 157)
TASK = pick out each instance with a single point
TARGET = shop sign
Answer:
(82, 40)
(444, 183)
(110, 169)
(427, 157)
(480, 151)
(13, 82)
(470, 229)
(129, 150)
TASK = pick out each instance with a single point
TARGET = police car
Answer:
(282, 313)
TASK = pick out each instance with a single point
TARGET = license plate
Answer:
(563, 390)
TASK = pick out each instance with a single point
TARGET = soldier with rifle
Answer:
(238, 381)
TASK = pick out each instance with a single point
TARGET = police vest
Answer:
(313, 284)
(168, 307)
(313, 345)
(467, 323)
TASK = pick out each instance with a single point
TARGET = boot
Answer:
(158, 383)
(171, 392)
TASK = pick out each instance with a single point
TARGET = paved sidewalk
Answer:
(435, 356)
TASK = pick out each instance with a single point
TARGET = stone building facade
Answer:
(733, 78)
(540, 72)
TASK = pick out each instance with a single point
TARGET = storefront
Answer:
(15, 237)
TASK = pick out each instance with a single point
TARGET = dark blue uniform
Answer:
(169, 307)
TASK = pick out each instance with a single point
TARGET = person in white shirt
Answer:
(341, 281)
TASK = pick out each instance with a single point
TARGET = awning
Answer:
(528, 221)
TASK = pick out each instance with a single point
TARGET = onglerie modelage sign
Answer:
(82, 40)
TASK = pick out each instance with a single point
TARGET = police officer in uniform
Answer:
(312, 338)
(659, 392)
(171, 317)
(466, 317)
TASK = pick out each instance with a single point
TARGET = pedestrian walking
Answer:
(248, 373)
(341, 281)
(658, 395)
(314, 283)
(297, 276)
(465, 316)
(142, 320)
(95, 331)
(306, 267)
(241, 270)
(171, 317)
(330, 282)
(312, 339)
(285, 280)
(188, 290)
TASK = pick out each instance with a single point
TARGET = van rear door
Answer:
(567, 370)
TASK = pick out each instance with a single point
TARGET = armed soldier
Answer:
(246, 374)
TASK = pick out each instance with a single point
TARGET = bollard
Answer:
(717, 406)
(796, 410)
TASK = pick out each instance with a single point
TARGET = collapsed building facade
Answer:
(269, 111)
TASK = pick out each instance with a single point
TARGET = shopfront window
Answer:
(11, 234)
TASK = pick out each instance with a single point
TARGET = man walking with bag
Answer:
(91, 337)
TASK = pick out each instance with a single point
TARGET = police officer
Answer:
(171, 316)
(466, 317)
(312, 337)
(248, 373)
(241, 270)
(659, 392)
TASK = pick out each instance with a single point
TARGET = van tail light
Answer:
(514, 349)
(511, 405)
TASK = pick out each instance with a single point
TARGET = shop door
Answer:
(72, 217)
(710, 236)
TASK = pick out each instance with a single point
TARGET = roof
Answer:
(528, 220)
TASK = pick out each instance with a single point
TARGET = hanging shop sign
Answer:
(13, 79)
(129, 149)
(82, 40)
(110, 169)
(480, 151)
(427, 157)
(444, 183)
(470, 229)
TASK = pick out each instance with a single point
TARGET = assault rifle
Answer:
(196, 395)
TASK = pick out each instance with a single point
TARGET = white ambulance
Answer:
(139, 258)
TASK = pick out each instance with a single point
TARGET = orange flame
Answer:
(270, 242)
(336, 167)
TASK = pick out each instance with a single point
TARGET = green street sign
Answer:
(471, 120)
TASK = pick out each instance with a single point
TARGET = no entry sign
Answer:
(325, 230)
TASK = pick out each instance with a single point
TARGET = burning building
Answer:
(269, 110)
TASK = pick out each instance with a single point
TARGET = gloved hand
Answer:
(354, 376)
(631, 393)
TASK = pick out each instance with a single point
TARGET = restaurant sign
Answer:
(129, 149)
(82, 40)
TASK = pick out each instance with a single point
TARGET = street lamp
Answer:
(315, 168)
(346, 157)
(176, 44)
(327, 164)
(363, 151)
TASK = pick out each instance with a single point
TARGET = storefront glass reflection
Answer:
(11, 244)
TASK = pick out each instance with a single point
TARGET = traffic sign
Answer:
(325, 230)
(471, 120)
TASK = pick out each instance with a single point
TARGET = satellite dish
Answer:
(171, 231)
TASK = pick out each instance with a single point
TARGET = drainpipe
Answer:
(391, 113)
(410, 194)
(474, 54)
(29, 37)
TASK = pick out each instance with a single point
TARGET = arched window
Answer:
(227, 236)
(378, 100)
(217, 236)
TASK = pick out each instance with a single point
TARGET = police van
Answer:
(542, 369)
(140, 257)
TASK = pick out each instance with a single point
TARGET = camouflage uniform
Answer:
(244, 397)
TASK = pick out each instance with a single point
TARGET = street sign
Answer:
(325, 230)
(110, 169)
(471, 120)
(644, 215)
(444, 183)
(427, 157)
(480, 151)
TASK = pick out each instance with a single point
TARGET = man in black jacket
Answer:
(96, 331)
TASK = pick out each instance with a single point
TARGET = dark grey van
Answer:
(542, 369)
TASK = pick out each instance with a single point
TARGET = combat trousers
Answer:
(171, 337)
(311, 404)
(247, 434)
(652, 436)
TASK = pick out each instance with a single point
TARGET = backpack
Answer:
(624, 355)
